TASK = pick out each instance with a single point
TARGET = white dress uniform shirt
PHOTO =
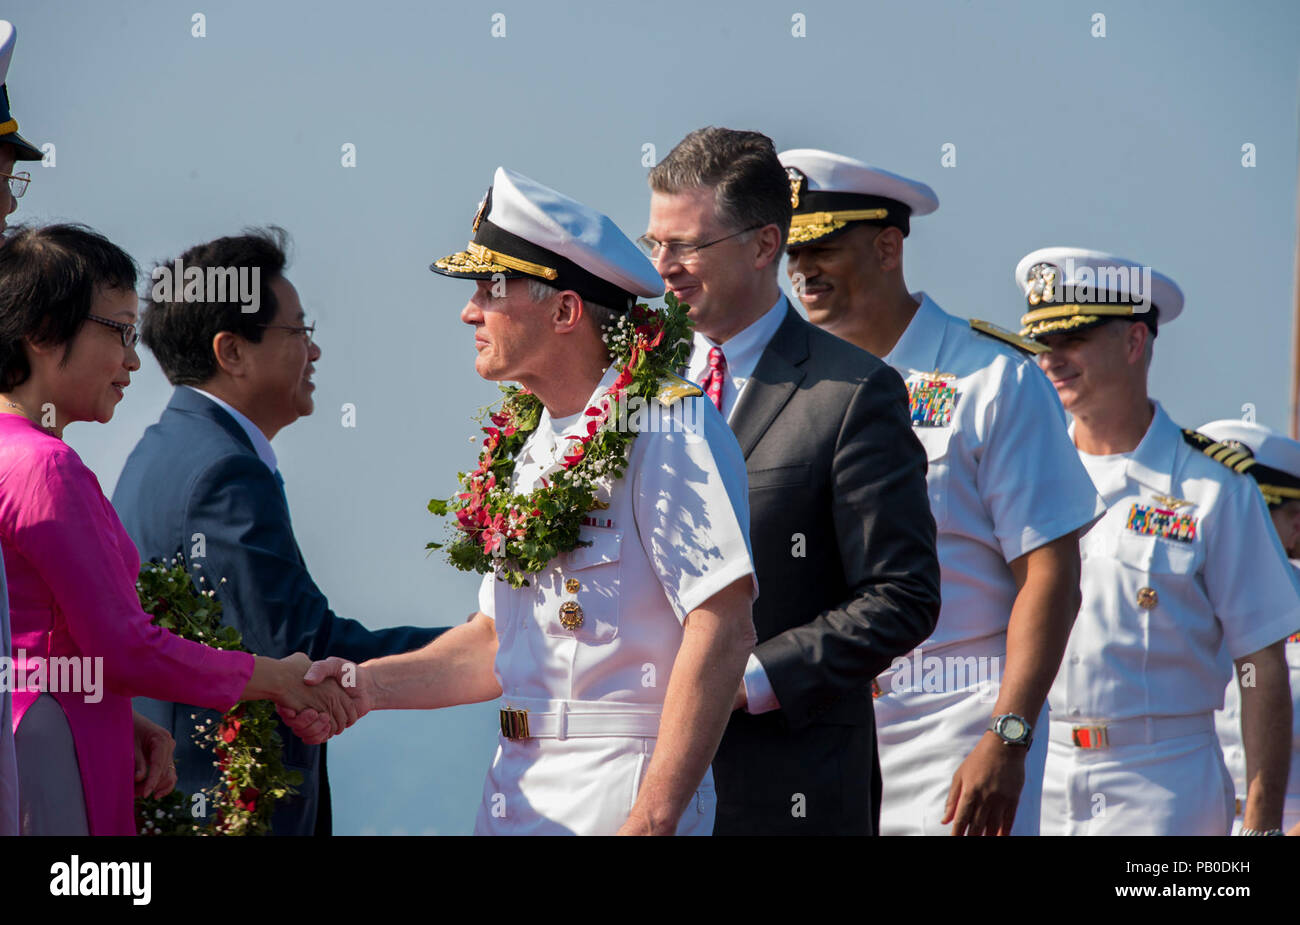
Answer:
(675, 533)
(742, 353)
(8, 758)
(1004, 479)
(1169, 599)
(1227, 723)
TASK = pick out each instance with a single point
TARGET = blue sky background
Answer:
(1131, 143)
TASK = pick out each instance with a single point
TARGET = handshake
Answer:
(324, 697)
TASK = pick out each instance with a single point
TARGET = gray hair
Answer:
(601, 315)
(751, 188)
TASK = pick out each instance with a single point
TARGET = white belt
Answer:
(562, 719)
(1140, 730)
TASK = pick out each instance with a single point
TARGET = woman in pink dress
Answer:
(68, 309)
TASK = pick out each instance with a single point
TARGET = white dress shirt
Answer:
(1227, 723)
(742, 353)
(1003, 476)
(1003, 479)
(675, 532)
(1222, 591)
(260, 444)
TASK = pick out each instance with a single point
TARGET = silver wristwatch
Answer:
(1012, 729)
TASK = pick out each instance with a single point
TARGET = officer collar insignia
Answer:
(514, 535)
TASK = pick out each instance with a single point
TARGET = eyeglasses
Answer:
(17, 183)
(308, 331)
(130, 336)
(683, 252)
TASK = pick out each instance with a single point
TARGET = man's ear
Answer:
(231, 352)
(567, 311)
(889, 249)
(767, 246)
(1135, 342)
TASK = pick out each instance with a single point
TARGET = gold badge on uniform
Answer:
(572, 585)
(482, 210)
(931, 400)
(1147, 598)
(1042, 283)
(797, 180)
(571, 615)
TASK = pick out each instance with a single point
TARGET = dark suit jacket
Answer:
(833, 468)
(196, 472)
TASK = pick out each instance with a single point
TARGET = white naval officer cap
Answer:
(1276, 457)
(24, 150)
(831, 192)
(1073, 289)
(524, 229)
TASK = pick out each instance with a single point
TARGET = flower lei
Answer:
(517, 535)
(245, 742)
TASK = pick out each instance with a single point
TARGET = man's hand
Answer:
(986, 789)
(332, 672)
(155, 769)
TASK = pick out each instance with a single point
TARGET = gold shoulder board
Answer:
(1236, 458)
(1024, 344)
(674, 388)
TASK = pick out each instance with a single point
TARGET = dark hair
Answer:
(179, 333)
(49, 277)
(751, 186)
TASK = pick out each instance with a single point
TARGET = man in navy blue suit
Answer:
(203, 482)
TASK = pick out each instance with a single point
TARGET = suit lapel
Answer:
(775, 379)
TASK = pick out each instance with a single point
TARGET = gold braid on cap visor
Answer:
(809, 226)
(1067, 316)
(8, 128)
(1277, 494)
(476, 258)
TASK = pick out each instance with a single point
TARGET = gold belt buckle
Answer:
(514, 724)
(1090, 737)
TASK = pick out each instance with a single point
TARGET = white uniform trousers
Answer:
(576, 786)
(1176, 786)
(923, 740)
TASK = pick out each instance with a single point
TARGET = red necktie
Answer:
(712, 383)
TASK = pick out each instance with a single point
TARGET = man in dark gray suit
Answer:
(843, 538)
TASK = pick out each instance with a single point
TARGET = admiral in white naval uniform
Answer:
(964, 746)
(618, 663)
(1184, 567)
(1276, 469)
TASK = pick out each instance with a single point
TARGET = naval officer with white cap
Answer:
(1183, 567)
(1008, 495)
(618, 662)
(1276, 469)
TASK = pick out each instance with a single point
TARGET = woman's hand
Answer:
(281, 680)
(155, 766)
